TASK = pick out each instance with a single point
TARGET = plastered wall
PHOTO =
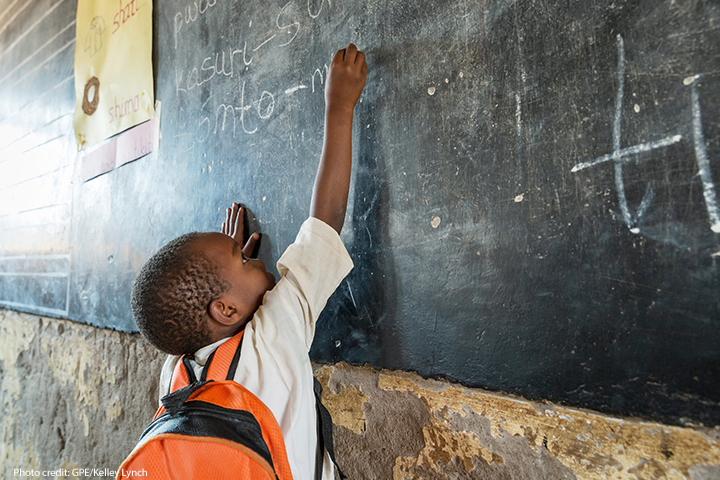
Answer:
(398, 425)
(77, 397)
(72, 396)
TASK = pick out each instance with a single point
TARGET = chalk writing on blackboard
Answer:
(619, 156)
(703, 162)
(231, 104)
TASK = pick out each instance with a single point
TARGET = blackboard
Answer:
(533, 207)
(37, 151)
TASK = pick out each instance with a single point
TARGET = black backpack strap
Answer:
(203, 375)
(174, 401)
(185, 360)
(189, 369)
(234, 364)
(223, 361)
(325, 436)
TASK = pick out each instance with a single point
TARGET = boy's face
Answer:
(248, 278)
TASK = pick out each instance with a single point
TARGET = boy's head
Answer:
(195, 290)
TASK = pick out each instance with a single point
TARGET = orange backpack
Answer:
(212, 428)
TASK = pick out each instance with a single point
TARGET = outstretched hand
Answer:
(344, 85)
(234, 226)
(346, 80)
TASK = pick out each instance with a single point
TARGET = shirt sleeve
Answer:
(311, 269)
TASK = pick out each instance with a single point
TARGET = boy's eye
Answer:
(244, 258)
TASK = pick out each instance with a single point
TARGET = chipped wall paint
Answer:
(78, 362)
(16, 338)
(472, 433)
(22, 335)
(347, 403)
(113, 410)
(75, 396)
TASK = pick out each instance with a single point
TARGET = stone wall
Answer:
(74, 396)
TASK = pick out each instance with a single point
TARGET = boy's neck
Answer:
(218, 331)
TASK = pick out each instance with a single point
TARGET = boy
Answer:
(201, 288)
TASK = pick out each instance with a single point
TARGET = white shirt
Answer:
(274, 363)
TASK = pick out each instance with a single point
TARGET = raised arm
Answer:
(344, 85)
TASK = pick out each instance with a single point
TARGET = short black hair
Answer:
(171, 294)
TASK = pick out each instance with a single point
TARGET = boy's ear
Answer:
(224, 312)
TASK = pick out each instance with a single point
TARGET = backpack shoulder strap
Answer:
(324, 434)
(183, 375)
(220, 365)
(223, 362)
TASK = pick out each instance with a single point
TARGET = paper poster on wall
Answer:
(113, 68)
(132, 144)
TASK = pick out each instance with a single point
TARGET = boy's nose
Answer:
(258, 263)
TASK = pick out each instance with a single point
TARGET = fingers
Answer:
(237, 222)
(249, 247)
(226, 224)
(351, 53)
(233, 226)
